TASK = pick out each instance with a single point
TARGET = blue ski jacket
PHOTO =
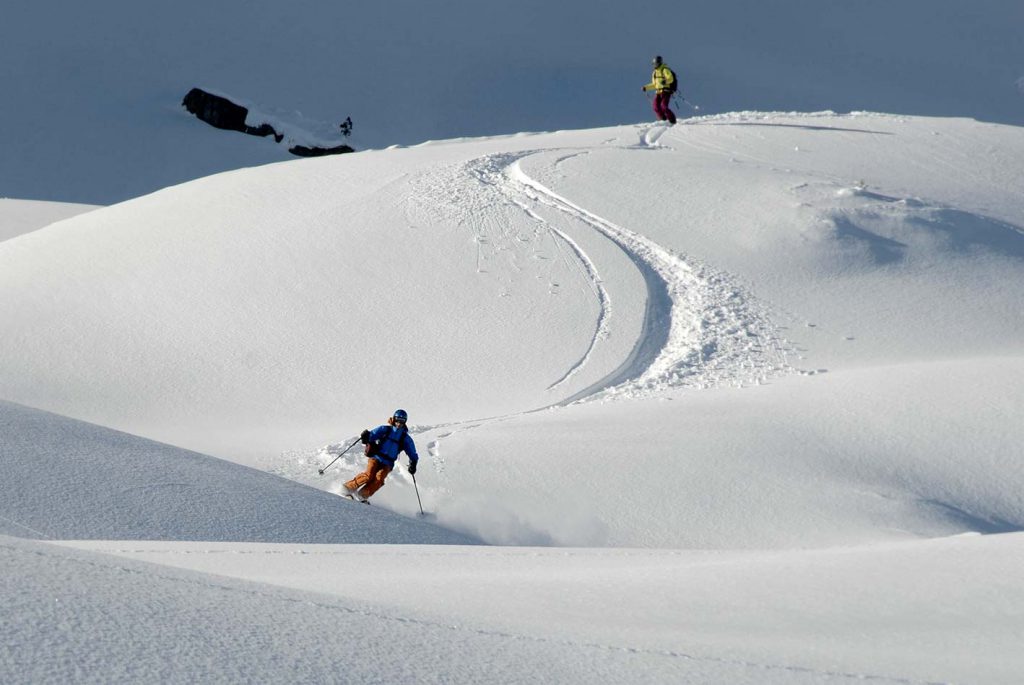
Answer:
(392, 441)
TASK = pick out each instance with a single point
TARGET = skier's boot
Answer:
(352, 493)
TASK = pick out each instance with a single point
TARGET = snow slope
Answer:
(738, 401)
(935, 611)
(737, 397)
(24, 216)
(65, 479)
(939, 611)
(809, 297)
(93, 112)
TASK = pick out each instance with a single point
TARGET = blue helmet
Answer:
(400, 415)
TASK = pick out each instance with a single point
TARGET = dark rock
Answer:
(220, 112)
(303, 151)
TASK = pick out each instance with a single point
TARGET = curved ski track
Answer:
(701, 329)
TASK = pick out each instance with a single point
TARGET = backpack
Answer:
(674, 86)
(372, 447)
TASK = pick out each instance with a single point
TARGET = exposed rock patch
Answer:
(303, 151)
(222, 113)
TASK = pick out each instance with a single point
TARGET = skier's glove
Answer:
(364, 437)
(412, 468)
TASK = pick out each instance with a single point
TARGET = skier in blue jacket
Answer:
(383, 444)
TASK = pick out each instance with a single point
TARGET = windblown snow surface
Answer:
(738, 401)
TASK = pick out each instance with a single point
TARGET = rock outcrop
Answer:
(222, 113)
(303, 151)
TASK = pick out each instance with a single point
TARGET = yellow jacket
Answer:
(661, 78)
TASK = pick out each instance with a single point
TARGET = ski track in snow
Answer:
(650, 134)
(494, 172)
(716, 334)
(701, 329)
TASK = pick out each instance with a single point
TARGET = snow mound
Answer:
(66, 479)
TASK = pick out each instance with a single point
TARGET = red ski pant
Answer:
(371, 480)
(662, 100)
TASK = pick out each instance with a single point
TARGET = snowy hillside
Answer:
(762, 366)
(67, 480)
(738, 401)
(932, 611)
(92, 114)
(829, 278)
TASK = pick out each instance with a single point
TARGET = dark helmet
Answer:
(656, 61)
(400, 415)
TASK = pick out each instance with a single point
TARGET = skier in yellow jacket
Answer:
(663, 83)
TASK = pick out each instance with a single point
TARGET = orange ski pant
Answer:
(371, 480)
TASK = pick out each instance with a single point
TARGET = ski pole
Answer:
(695, 108)
(321, 471)
(417, 493)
